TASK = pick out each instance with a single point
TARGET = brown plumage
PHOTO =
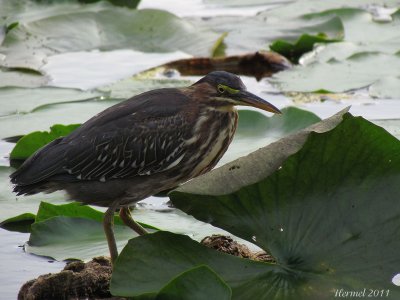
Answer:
(144, 145)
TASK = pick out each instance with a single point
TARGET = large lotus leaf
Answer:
(357, 71)
(149, 262)
(180, 253)
(24, 100)
(330, 209)
(145, 30)
(196, 284)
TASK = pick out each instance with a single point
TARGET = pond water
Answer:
(90, 69)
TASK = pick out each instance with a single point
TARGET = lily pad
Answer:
(335, 193)
(358, 71)
(30, 143)
(46, 116)
(328, 214)
(196, 284)
(145, 30)
(154, 268)
(305, 43)
(256, 130)
(12, 205)
(388, 87)
(24, 100)
(73, 231)
(20, 223)
(18, 78)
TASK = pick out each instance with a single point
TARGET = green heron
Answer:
(147, 144)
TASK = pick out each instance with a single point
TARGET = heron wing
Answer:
(141, 136)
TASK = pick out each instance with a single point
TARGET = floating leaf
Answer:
(196, 284)
(20, 78)
(387, 87)
(24, 100)
(20, 223)
(324, 212)
(30, 143)
(73, 230)
(335, 193)
(180, 254)
(356, 72)
(145, 30)
(256, 130)
(305, 43)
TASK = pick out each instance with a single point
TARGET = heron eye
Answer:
(221, 89)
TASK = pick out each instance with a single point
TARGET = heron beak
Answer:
(250, 99)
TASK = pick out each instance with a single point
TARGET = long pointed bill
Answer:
(252, 100)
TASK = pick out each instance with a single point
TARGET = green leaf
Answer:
(73, 230)
(32, 142)
(73, 238)
(126, 3)
(329, 209)
(20, 223)
(160, 257)
(20, 78)
(305, 43)
(196, 284)
(387, 87)
(84, 29)
(358, 71)
(256, 130)
(73, 209)
(14, 100)
(12, 205)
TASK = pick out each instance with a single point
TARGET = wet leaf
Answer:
(358, 71)
(24, 100)
(20, 223)
(196, 284)
(337, 192)
(256, 130)
(305, 43)
(323, 202)
(17, 78)
(387, 87)
(73, 230)
(146, 30)
(31, 142)
(180, 254)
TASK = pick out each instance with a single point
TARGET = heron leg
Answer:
(108, 224)
(126, 217)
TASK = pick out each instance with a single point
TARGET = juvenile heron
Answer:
(137, 148)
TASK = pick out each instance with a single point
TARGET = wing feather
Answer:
(141, 136)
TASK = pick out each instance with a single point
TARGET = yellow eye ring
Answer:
(221, 89)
